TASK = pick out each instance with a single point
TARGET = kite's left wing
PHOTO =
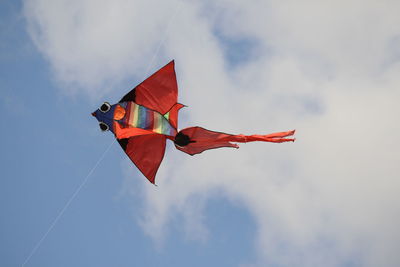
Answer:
(159, 92)
(146, 152)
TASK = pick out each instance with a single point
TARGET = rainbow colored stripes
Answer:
(141, 117)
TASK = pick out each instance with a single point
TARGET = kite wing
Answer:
(146, 152)
(158, 92)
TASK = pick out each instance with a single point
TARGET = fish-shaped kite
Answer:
(147, 116)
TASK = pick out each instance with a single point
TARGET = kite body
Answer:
(147, 116)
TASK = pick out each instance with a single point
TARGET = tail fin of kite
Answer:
(194, 140)
(172, 114)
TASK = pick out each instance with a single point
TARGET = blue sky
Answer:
(330, 199)
(51, 144)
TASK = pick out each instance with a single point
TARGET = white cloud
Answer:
(329, 69)
(93, 45)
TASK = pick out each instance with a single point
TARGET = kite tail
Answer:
(274, 137)
(195, 140)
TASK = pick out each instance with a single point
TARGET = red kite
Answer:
(147, 116)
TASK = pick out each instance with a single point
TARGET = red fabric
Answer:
(205, 139)
(159, 92)
(274, 137)
(147, 152)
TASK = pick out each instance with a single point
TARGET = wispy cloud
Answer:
(329, 69)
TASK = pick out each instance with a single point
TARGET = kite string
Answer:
(68, 203)
(104, 153)
(168, 28)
